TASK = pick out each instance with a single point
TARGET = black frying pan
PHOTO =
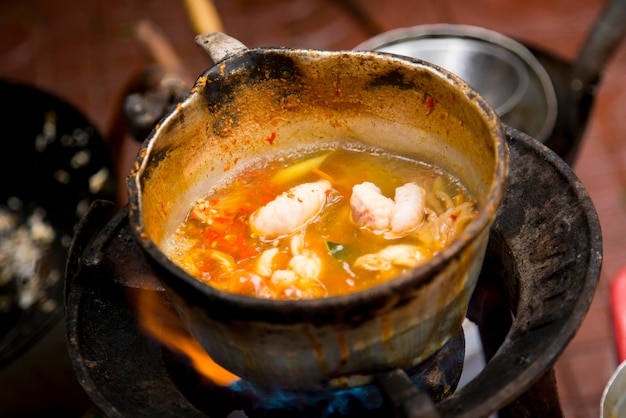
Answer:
(53, 164)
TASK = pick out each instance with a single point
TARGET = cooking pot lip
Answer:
(411, 279)
(478, 33)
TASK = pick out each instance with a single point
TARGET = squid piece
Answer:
(288, 285)
(370, 208)
(300, 276)
(402, 255)
(307, 266)
(265, 264)
(291, 211)
(391, 218)
(300, 279)
(408, 210)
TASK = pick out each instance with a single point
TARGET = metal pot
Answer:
(255, 101)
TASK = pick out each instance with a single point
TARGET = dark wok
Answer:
(54, 163)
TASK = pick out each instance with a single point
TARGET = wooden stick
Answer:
(204, 17)
(159, 48)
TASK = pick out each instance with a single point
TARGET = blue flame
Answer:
(324, 404)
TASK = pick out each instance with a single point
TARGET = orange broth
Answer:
(216, 245)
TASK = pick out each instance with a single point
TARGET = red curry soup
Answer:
(320, 221)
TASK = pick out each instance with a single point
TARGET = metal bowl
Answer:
(501, 69)
(614, 396)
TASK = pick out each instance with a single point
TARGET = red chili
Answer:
(271, 138)
(430, 102)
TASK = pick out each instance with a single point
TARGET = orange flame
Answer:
(163, 323)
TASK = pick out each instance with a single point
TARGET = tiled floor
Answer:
(85, 52)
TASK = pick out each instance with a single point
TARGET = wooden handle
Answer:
(159, 48)
(204, 17)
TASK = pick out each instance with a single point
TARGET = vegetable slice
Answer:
(299, 169)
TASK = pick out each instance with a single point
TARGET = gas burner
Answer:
(436, 377)
(538, 279)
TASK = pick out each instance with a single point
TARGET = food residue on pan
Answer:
(23, 246)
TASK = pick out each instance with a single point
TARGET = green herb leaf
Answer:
(338, 251)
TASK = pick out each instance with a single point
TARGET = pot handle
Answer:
(605, 36)
(219, 46)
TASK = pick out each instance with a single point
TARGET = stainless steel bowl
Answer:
(614, 396)
(501, 69)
